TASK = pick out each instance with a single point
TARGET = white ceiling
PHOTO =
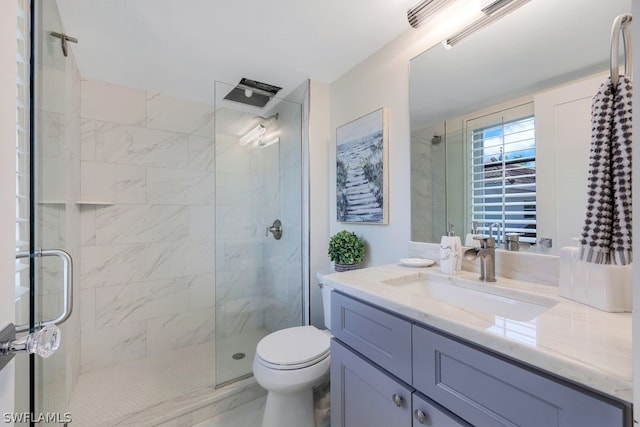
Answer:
(182, 46)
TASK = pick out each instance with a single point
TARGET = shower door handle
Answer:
(67, 274)
(43, 342)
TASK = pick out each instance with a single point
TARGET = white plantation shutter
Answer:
(22, 146)
(503, 175)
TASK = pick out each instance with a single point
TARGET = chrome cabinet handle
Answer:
(398, 400)
(420, 416)
(275, 229)
(67, 274)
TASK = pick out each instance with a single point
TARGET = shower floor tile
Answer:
(104, 395)
(245, 343)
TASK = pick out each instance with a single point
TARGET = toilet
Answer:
(289, 364)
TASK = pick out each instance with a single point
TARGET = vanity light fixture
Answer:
(263, 142)
(253, 135)
(423, 10)
(493, 10)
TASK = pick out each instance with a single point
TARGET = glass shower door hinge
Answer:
(43, 342)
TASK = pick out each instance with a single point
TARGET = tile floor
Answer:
(250, 413)
(132, 389)
(107, 394)
(247, 415)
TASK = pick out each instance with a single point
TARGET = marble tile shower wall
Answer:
(422, 185)
(147, 251)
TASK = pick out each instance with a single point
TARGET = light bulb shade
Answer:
(253, 135)
(423, 10)
(497, 10)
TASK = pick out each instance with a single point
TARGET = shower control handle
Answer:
(275, 229)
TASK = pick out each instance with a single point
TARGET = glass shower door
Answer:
(53, 220)
(258, 278)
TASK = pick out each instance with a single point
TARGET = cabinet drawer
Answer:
(382, 337)
(363, 395)
(488, 391)
(428, 413)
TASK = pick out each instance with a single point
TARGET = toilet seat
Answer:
(293, 348)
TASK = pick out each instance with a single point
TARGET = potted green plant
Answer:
(346, 250)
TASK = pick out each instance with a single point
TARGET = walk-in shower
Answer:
(171, 221)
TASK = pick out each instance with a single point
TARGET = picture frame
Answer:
(362, 169)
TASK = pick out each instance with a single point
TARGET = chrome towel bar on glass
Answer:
(67, 274)
(622, 24)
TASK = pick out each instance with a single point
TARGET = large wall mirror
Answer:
(500, 125)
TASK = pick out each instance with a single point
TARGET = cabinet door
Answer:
(489, 391)
(381, 337)
(426, 412)
(363, 395)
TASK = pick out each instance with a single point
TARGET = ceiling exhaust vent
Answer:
(252, 92)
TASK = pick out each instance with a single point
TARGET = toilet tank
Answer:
(326, 304)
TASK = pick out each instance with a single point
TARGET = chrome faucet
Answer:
(487, 254)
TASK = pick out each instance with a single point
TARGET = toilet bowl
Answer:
(289, 364)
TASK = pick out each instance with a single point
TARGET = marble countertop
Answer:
(569, 339)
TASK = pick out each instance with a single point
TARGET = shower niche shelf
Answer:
(94, 203)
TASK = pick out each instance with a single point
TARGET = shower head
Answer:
(252, 92)
(436, 139)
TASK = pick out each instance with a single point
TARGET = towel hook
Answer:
(622, 24)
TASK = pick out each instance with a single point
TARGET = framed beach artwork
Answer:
(362, 170)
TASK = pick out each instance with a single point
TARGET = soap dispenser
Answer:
(450, 253)
(471, 238)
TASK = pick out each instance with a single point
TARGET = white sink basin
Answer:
(474, 296)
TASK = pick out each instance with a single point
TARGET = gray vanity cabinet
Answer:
(389, 372)
(382, 337)
(363, 395)
(371, 371)
(426, 412)
(489, 391)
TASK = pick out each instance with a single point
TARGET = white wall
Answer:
(563, 135)
(382, 80)
(7, 189)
